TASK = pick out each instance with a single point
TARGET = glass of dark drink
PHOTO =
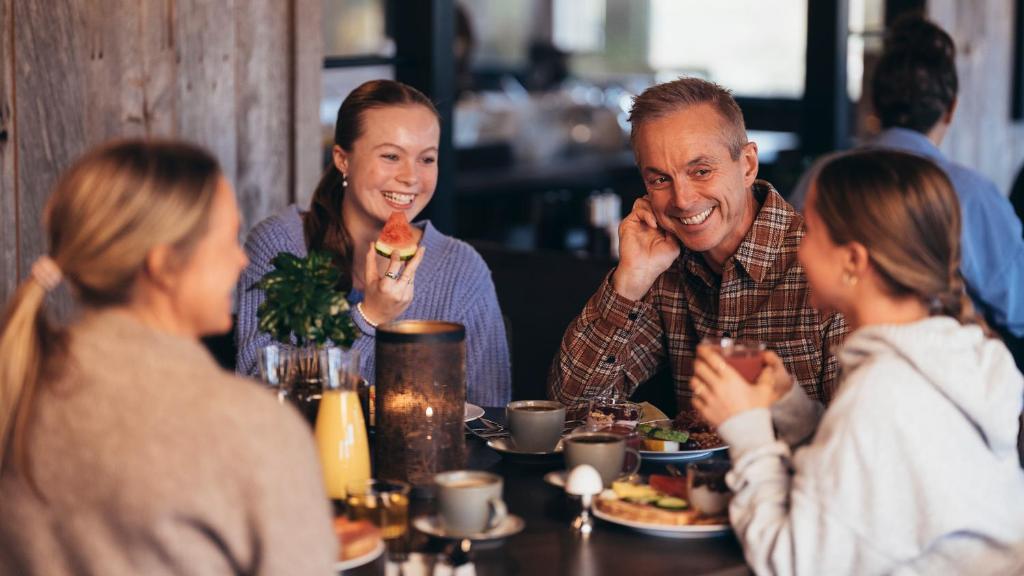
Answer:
(745, 356)
(604, 413)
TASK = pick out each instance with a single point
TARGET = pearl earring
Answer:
(849, 279)
(344, 181)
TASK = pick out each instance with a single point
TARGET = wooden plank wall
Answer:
(308, 58)
(8, 204)
(55, 53)
(982, 135)
(240, 77)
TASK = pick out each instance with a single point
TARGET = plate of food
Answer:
(361, 543)
(659, 507)
(687, 437)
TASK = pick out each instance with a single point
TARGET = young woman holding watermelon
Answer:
(383, 174)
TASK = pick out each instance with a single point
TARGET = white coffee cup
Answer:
(535, 425)
(469, 501)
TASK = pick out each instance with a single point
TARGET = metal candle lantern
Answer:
(420, 400)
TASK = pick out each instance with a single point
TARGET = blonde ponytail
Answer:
(26, 340)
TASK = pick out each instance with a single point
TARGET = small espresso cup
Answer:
(469, 501)
(605, 451)
(535, 425)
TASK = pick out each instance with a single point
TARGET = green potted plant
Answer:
(304, 311)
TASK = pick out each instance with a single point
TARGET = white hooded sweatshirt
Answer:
(913, 468)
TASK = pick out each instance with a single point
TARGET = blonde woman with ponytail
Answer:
(913, 468)
(123, 448)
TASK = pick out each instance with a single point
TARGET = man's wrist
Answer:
(627, 286)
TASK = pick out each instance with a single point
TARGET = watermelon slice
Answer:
(397, 235)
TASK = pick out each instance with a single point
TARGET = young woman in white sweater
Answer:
(913, 468)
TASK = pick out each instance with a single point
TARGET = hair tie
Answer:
(46, 273)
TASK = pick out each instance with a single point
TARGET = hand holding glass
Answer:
(745, 356)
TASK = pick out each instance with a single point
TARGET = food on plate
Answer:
(357, 538)
(662, 439)
(670, 485)
(645, 513)
(398, 235)
(661, 501)
(699, 435)
(661, 492)
(691, 420)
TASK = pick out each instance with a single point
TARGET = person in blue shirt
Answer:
(914, 93)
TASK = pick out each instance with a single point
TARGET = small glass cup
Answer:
(385, 503)
(605, 413)
(276, 368)
(745, 356)
(706, 486)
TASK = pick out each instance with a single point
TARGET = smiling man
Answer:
(709, 251)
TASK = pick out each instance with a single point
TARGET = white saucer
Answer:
(505, 445)
(432, 526)
(360, 560)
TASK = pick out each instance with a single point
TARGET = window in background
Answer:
(503, 31)
(579, 25)
(753, 47)
(864, 46)
(357, 48)
(355, 28)
(867, 28)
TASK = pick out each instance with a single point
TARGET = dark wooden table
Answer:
(548, 546)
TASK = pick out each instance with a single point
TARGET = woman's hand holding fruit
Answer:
(389, 294)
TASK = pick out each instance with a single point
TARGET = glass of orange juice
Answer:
(340, 428)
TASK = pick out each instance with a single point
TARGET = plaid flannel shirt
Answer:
(761, 295)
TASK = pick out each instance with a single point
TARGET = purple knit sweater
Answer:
(453, 283)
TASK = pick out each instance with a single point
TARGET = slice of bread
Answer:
(357, 538)
(644, 512)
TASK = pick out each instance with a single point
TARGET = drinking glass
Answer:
(606, 412)
(706, 486)
(276, 368)
(745, 356)
(385, 503)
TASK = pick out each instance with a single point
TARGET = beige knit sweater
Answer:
(154, 461)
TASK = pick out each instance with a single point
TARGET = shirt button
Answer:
(610, 359)
(632, 315)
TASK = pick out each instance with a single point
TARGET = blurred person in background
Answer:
(914, 94)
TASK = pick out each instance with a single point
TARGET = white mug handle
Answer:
(498, 513)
